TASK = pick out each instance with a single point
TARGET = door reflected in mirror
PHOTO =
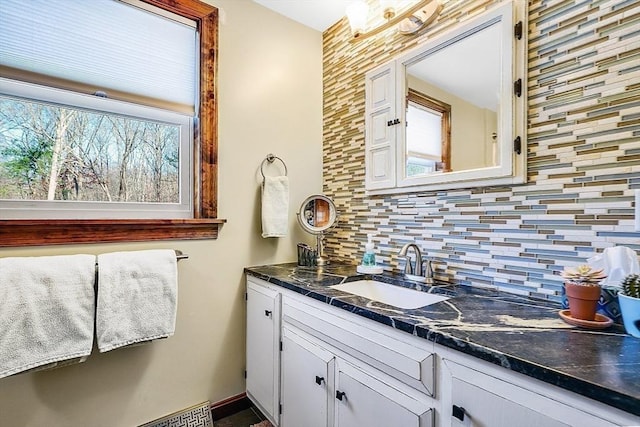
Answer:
(452, 105)
(317, 213)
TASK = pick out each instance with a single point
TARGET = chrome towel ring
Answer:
(271, 158)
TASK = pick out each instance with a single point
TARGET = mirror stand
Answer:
(320, 258)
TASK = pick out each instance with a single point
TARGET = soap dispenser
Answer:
(368, 265)
(369, 258)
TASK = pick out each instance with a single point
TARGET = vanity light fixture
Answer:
(410, 21)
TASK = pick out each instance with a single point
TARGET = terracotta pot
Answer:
(583, 300)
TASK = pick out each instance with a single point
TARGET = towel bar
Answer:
(179, 256)
(271, 158)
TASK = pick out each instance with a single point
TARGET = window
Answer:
(108, 159)
(167, 177)
(428, 137)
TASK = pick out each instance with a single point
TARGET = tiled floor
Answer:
(244, 418)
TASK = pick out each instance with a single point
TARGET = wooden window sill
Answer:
(62, 232)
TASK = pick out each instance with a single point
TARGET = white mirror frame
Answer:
(511, 168)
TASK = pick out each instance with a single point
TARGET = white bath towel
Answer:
(275, 206)
(137, 297)
(47, 307)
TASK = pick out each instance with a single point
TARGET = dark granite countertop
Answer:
(518, 333)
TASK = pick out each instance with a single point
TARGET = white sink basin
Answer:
(396, 296)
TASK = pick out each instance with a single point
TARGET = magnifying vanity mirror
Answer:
(451, 112)
(317, 214)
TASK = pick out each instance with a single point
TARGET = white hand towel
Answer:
(47, 307)
(137, 297)
(275, 206)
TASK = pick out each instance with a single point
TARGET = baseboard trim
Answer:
(229, 406)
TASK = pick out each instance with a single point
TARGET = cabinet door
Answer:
(362, 400)
(381, 124)
(263, 342)
(485, 409)
(307, 371)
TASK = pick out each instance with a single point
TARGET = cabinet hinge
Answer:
(517, 87)
(246, 296)
(280, 408)
(517, 145)
(280, 345)
(517, 30)
(245, 374)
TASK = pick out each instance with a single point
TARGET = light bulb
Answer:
(357, 13)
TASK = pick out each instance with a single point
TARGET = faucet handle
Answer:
(428, 269)
(408, 268)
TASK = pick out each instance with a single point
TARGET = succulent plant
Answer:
(631, 286)
(583, 275)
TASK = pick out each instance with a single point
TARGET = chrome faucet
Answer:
(418, 273)
(408, 268)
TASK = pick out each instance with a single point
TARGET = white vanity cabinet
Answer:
(263, 347)
(336, 369)
(327, 367)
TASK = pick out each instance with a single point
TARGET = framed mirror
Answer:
(451, 112)
(317, 214)
(452, 100)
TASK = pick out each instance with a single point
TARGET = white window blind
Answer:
(104, 45)
(424, 136)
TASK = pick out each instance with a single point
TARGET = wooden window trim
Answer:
(444, 108)
(205, 223)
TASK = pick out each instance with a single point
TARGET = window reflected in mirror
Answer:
(428, 135)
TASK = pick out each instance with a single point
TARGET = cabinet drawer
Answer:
(363, 400)
(391, 352)
(479, 406)
(492, 396)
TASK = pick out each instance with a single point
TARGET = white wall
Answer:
(270, 100)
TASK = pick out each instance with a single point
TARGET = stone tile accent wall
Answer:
(583, 154)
